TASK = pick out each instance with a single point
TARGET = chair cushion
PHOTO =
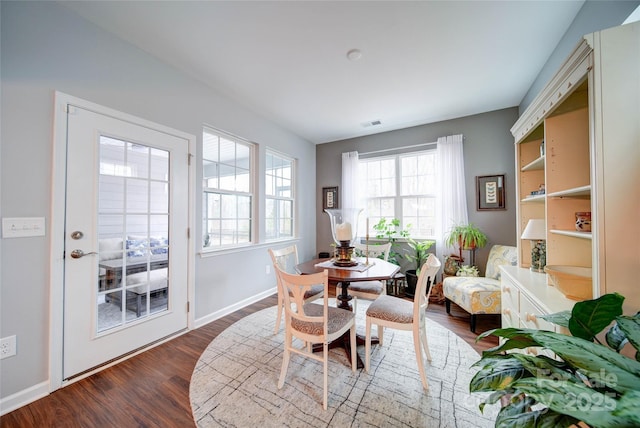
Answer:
(476, 295)
(337, 319)
(369, 287)
(313, 291)
(391, 308)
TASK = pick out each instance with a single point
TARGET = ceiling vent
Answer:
(372, 123)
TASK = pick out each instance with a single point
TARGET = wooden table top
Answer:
(380, 270)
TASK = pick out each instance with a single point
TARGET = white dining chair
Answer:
(287, 259)
(313, 323)
(369, 290)
(401, 314)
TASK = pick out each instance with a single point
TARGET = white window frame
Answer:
(269, 196)
(229, 192)
(397, 197)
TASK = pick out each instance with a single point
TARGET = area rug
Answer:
(234, 383)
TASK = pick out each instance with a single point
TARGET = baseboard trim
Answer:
(230, 309)
(24, 397)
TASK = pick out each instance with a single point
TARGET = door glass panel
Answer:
(133, 233)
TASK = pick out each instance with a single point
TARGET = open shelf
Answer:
(573, 233)
(537, 164)
(582, 192)
(533, 199)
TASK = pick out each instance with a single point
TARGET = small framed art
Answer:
(490, 192)
(330, 198)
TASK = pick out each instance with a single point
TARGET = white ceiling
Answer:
(422, 61)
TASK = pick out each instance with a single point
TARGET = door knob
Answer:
(76, 254)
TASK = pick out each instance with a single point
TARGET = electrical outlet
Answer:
(7, 347)
(267, 270)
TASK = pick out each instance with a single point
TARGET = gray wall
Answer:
(46, 47)
(593, 16)
(488, 150)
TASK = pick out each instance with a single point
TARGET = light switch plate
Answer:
(20, 227)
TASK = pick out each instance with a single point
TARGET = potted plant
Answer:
(390, 231)
(590, 381)
(466, 270)
(418, 255)
(466, 237)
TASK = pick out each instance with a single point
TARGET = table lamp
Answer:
(536, 232)
(344, 228)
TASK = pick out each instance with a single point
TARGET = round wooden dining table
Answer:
(378, 270)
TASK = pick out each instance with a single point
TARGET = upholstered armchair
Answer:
(480, 295)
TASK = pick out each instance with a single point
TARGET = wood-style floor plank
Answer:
(152, 389)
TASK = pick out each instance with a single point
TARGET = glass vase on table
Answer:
(344, 229)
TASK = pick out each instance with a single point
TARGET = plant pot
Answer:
(412, 283)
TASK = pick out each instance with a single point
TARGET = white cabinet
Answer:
(525, 297)
(588, 118)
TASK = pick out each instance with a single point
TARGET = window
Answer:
(401, 186)
(227, 175)
(279, 196)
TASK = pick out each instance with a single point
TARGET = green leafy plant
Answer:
(466, 270)
(419, 253)
(390, 231)
(589, 382)
(465, 236)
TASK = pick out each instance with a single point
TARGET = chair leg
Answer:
(354, 350)
(418, 348)
(285, 359)
(380, 334)
(447, 304)
(367, 345)
(425, 342)
(325, 355)
(280, 306)
(473, 323)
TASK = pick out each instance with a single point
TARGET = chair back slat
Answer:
(427, 276)
(375, 250)
(294, 287)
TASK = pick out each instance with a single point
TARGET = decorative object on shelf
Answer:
(540, 191)
(344, 229)
(589, 370)
(583, 221)
(466, 237)
(330, 198)
(542, 149)
(490, 192)
(535, 231)
(573, 281)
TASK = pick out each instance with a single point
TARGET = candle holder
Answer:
(344, 229)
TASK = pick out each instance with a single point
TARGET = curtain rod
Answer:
(398, 148)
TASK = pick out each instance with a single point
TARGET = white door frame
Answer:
(57, 225)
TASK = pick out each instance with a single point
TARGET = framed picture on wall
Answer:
(490, 192)
(330, 198)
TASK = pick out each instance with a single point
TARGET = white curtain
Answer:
(350, 194)
(451, 203)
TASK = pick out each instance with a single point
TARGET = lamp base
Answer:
(345, 252)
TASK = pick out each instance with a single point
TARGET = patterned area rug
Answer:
(234, 383)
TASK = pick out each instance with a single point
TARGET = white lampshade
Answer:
(535, 230)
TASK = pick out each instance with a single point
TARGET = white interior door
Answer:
(126, 244)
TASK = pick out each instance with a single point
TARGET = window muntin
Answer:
(401, 186)
(279, 196)
(228, 198)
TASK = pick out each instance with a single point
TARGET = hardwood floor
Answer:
(152, 389)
